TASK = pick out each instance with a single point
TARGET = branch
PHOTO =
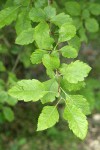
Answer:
(16, 63)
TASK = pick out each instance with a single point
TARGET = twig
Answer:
(16, 63)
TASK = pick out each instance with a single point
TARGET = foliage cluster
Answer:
(51, 36)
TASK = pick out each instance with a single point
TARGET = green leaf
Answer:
(2, 67)
(8, 3)
(37, 56)
(22, 2)
(8, 15)
(28, 90)
(71, 86)
(52, 87)
(50, 12)
(37, 15)
(8, 113)
(40, 4)
(50, 73)
(51, 61)
(66, 32)
(11, 100)
(75, 42)
(92, 25)
(69, 52)
(60, 19)
(73, 8)
(48, 118)
(42, 36)
(76, 120)
(23, 22)
(94, 8)
(80, 102)
(76, 71)
(89, 94)
(3, 96)
(25, 56)
(26, 37)
(82, 34)
(77, 22)
(12, 79)
(85, 14)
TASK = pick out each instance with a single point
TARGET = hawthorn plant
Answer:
(54, 36)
